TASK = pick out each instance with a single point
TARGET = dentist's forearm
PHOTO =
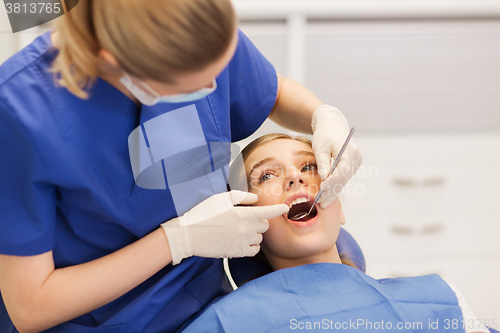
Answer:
(294, 106)
(39, 297)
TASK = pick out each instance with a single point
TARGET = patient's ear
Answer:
(342, 217)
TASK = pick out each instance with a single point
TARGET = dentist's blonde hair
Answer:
(153, 39)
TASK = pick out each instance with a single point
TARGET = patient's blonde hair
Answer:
(154, 39)
(268, 138)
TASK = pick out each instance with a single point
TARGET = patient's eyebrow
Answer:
(256, 165)
(304, 152)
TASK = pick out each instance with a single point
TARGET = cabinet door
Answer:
(446, 236)
(444, 173)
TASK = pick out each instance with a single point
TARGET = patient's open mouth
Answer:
(302, 205)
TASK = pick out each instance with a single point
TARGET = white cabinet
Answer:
(426, 204)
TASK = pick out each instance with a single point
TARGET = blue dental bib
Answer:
(334, 297)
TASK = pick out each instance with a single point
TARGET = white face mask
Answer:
(151, 97)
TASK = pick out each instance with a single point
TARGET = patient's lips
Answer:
(298, 203)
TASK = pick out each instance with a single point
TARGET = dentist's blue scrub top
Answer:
(68, 185)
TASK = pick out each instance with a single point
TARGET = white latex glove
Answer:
(215, 228)
(330, 130)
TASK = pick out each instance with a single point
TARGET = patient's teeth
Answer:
(297, 201)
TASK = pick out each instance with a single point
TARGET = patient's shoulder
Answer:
(424, 288)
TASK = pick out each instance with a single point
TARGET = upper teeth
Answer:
(297, 201)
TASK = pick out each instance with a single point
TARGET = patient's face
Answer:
(284, 171)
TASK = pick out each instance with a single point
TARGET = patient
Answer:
(310, 287)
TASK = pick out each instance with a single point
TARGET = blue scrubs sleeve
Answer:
(253, 88)
(28, 204)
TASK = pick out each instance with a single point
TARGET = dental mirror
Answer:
(332, 169)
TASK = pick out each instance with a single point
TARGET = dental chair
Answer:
(249, 268)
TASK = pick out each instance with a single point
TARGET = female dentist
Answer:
(83, 246)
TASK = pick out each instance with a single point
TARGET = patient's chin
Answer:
(316, 248)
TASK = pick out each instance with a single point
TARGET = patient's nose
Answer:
(295, 178)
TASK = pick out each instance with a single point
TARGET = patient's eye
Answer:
(310, 166)
(267, 175)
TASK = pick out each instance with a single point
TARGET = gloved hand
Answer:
(215, 228)
(330, 130)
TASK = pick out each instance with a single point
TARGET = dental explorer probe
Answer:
(332, 169)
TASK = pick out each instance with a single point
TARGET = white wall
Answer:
(7, 38)
(10, 43)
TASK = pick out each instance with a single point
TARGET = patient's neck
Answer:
(329, 256)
